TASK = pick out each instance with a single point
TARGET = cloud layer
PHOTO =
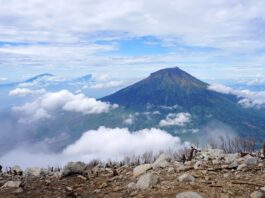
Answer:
(103, 144)
(43, 106)
(247, 98)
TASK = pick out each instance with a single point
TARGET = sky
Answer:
(125, 39)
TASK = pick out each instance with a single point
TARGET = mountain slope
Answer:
(168, 87)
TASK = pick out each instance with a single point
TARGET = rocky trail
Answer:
(210, 174)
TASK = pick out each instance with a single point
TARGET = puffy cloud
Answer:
(247, 98)
(25, 92)
(3, 79)
(103, 144)
(130, 119)
(46, 104)
(179, 119)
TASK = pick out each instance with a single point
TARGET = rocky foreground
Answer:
(209, 174)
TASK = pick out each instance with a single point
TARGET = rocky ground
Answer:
(210, 174)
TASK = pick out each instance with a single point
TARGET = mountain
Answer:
(174, 87)
(168, 87)
(39, 77)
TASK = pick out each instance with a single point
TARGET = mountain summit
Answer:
(167, 87)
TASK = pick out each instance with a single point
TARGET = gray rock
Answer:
(161, 162)
(12, 184)
(186, 178)
(198, 165)
(233, 165)
(147, 180)
(131, 185)
(171, 170)
(35, 172)
(241, 166)
(16, 168)
(18, 191)
(188, 195)
(73, 168)
(141, 169)
(250, 161)
(257, 194)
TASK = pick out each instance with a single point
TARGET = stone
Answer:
(186, 178)
(161, 162)
(233, 165)
(198, 165)
(131, 185)
(16, 169)
(250, 161)
(188, 195)
(68, 188)
(241, 166)
(257, 194)
(73, 168)
(230, 158)
(141, 169)
(171, 170)
(12, 184)
(18, 191)
(35, 172)
(147, 180)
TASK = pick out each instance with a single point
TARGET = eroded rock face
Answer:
(73, 168)
(147, 180)
(257, 194)
(161, 162)
(141, 169)
(188, 195)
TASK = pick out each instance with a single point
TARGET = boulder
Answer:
(241, 166)
(198, 165)
(147, 180)
(73, 168)
(251, 161)
(141, 169)
(186, 178)
(16, 169)
(34, 172)
(230, 158)
(131, 185)
(257, 194)
(233, 165)
(188, 195)
(12, 184)
(161, 162)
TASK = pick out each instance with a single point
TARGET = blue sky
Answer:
(213, 40)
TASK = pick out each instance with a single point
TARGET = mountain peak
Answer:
(169, 87)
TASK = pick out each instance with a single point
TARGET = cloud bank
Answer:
(247, 98)
(179, 119)
(25, 92)
(43, 106)
(103, 143)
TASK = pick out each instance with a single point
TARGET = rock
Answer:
(18, 191)
(35, 172)
(250, 161)
(116, 189)
(147, 180)
(257, 194)
(188, 195)
(198, 165)
(161, 162)
(241, 166)
(16, 169)
(186, 178)
(141, 169)
(171, 170)
(230, 158)
(68, 188)
(131, 185)
(12, 184)
(263, 189)
(73, 168)
(233, 165)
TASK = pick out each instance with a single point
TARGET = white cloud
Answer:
(130, 119)
(103, 144)
(46, 104)
(25, 92)
(3, 79)
(247, 98)
(108, 84)
(179, 119)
